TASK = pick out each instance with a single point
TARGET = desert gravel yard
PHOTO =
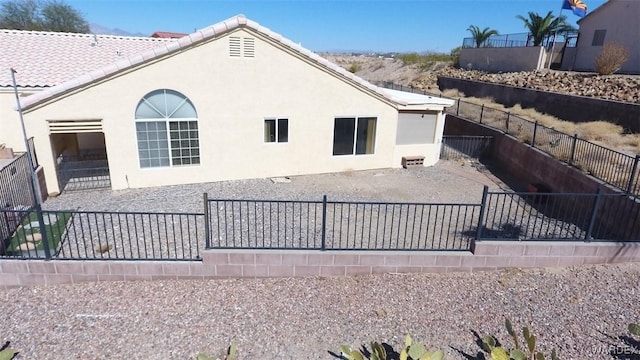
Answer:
(448, 181)
(580, 311)
(583, 312)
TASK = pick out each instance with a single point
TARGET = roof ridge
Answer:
(78, 35)
(209, 32)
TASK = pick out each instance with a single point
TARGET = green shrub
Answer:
(354, 68)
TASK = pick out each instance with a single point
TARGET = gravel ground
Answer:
(580, 311)
(448, 181)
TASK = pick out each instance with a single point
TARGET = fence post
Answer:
(458, 108)
(207, 234)
(535, 130)
(483, 205)
(632, 177)
(481, 113)
(573, 148)
(43, 231)
(508, 116)
(324, 222)
(592, 219)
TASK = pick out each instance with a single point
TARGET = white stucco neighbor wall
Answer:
(232, 96)
(507, 59)
(620, 19)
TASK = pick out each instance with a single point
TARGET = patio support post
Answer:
(592, 218)
(632, 177)
(207, 234)
(483, 206)
(324, 222)
(34, 185)
(573, 148)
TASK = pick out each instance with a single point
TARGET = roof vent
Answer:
(242, 46)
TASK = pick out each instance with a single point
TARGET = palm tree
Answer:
(480, 36)
(543, 27)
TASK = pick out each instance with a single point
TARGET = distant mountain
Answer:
(103, 30)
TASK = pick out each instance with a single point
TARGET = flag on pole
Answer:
(578, 7)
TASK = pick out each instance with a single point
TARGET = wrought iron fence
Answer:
(85, 235)
(613, 167)
(521, 40)
(550, 216)
(74, 174)
(339, 225)
(456, 147)
(16, 194)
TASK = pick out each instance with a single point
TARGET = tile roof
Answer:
(167, 34)
(213, 31)
(44, 59)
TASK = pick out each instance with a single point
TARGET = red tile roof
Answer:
(167, 35)
(44, 59)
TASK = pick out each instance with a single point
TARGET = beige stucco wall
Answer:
(620, 19)
(10, 128)
(232, 97)
(503, 59)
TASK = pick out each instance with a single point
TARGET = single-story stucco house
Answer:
(232, 101)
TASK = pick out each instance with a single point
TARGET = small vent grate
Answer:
(234, 46)
(249, 47)
(74, 126)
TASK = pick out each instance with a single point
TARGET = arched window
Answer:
(167, 130)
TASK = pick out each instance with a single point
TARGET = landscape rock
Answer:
(375, 69)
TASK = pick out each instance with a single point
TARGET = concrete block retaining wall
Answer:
(531, 165)
(567, 107)
(215, 264)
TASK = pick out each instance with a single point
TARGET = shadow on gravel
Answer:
(621, 347)
(506, 231)
(479, 355)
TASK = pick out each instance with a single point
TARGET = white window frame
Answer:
(167, 122)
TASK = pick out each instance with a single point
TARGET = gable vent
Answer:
(249, 46)
(234, 46)
(74, 126)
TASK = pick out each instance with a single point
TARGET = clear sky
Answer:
(332, 25)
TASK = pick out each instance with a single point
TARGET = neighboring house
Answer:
(616, 21)
(231, 101)
(167, 35)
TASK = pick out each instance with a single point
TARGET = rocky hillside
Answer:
(375, 69)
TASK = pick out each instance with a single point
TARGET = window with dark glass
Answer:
(276, 130)
(354, 136)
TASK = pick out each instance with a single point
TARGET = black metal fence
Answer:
(84, 235)
(16, 192)
(339, 225)
(319, 225)
(84, 173)
(569, 217)
(456, 147)
(522, 40)
(613, 167)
